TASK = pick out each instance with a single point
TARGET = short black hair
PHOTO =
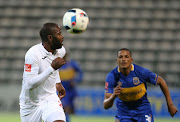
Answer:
(126, 50)
(47, 29)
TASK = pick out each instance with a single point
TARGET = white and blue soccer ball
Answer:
(75, 21)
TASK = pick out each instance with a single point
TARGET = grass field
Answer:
(4, 117)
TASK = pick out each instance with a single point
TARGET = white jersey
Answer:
(37, 69)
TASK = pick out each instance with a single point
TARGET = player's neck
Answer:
(126, 71)
(48, 48)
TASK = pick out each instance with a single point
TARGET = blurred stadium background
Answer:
(150, 28)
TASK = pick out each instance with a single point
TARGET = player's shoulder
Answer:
(137, 67)
(33, 51)
(73, 62)
(113, 72)
(112, 76)
(140, 68)
(61, 52)
(62, 49)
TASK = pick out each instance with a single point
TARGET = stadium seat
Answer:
(148, 28)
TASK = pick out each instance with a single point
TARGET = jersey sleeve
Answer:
(31, 64)
(150, 76)
(58, 80)
(31, 71)
(109, 84)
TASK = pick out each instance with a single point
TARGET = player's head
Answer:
(51, 33)
(124, 58)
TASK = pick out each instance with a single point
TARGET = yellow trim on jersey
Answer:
(133, 93)
(156, 78)
(132, 68)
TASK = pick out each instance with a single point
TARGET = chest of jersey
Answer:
(45, 62)
(133, 87)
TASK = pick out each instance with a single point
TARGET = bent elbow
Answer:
(106, 107)
(30, 86)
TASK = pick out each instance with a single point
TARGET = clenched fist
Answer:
(57, 63)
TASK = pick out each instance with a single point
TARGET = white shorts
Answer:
(48, 111)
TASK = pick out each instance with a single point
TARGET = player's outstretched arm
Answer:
(171, 108)
(109, 98)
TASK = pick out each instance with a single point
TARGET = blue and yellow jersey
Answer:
(133, 98)
(70, 72)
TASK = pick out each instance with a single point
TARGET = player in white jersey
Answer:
(38, 99)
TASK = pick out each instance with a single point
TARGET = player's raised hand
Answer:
(57, 63)
(117, 90)
(172, 109)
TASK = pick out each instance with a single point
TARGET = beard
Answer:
(56, 44)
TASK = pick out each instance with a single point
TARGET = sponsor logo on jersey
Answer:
(136, 80)
(28, 67)
(44, 57)
(106, 85)
(133, 93)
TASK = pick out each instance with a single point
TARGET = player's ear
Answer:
(132, 59)
(50, 37)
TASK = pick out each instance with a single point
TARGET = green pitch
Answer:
(12, 117)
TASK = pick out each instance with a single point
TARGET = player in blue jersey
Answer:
(127, 83)
(70, 74)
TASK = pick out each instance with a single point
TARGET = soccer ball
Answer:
(75, 21)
